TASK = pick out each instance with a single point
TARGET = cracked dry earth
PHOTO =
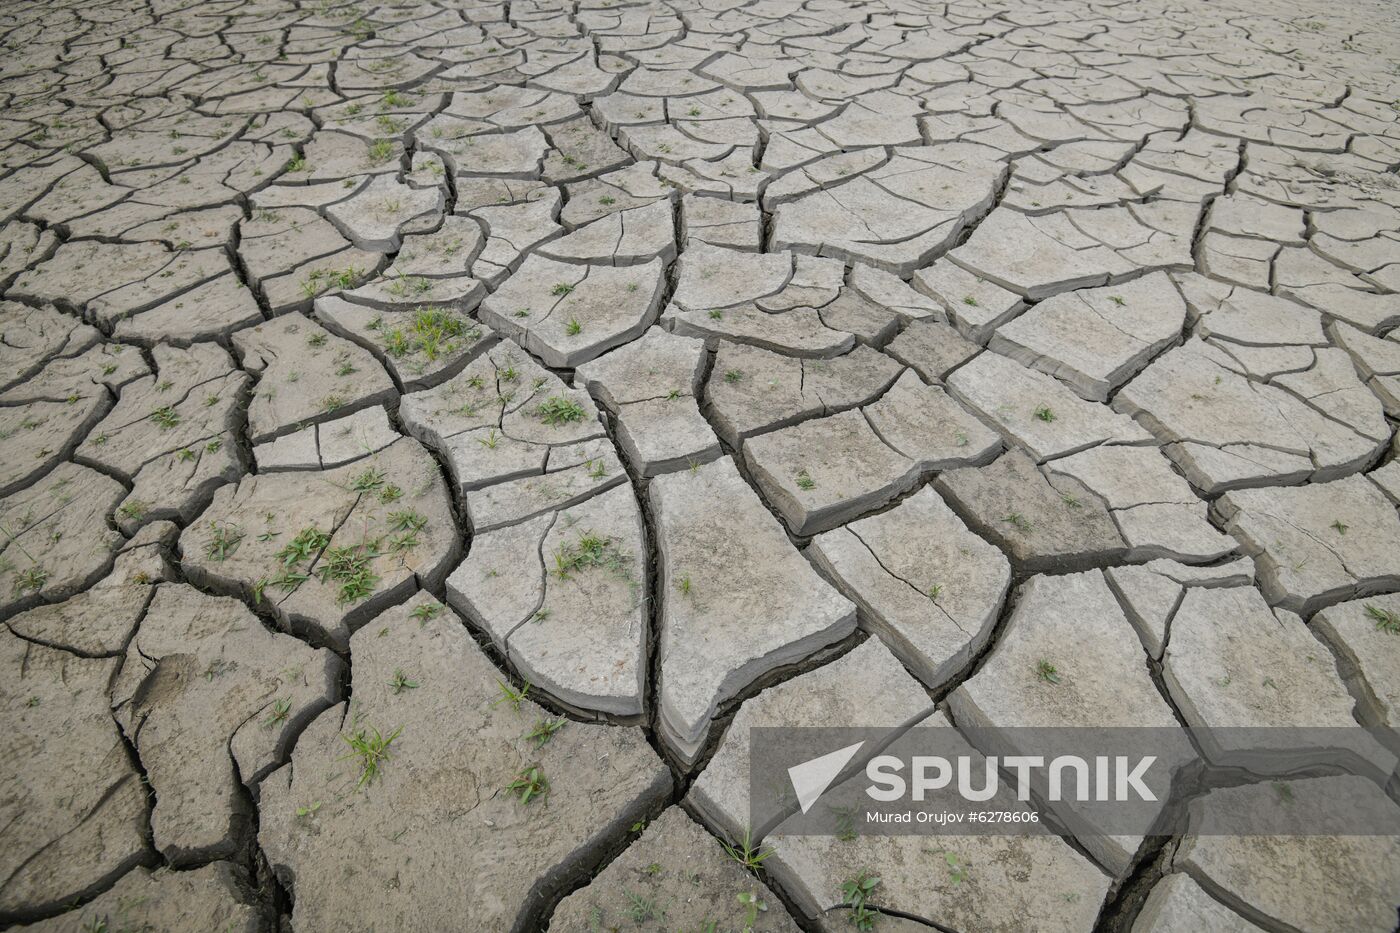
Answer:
(434, 433)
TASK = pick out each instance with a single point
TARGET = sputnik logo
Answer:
(811, 778)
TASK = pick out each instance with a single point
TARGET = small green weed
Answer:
(349, 566)
(1386, 621)
(224, 538)
(425, 613)
(557, 410)
(855, 894)
(746, 853)
(544, 730)
(511, 695)
(368, 481)
(381, 151)
(307, 544)
(165, 418)
(1018, 521)
(371, 750)
(31, 580)
(591, 550)
(280, 710)
(530, 784)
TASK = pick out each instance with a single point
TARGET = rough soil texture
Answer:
(433, 434)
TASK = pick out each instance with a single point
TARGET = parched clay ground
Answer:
(434, 433)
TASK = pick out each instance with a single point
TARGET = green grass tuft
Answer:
(371, 750)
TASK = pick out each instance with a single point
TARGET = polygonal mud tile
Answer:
(306, 375)
(1280, 880)
(623, 238)
(1388, 479)
(932, 349)
(563, 596)
(1247, 216)
(1037, 256)
(751, 390)
(1068, 657)
(325, 550)
(866, 687)
(43, 418)
(631, 186)
(1231, 661)
(823, 172)
(737, 601)
(892, 293)
(898, 215)
(1237, 260)
(57, 540)
(430, 268)
(1151, 593)
(1154, 508)
(678, 871)
(396, 289)
(1225, 431)
(569, 313)
(650, 387)
(1377, 361)
(570, 474)
(1036, 411)
(975, 305)
(931, 589)
(144, 291)
(329, 444)
(172, 434)
(467, 772)
(500, 602)
(1042, 522)
(1178, 903)
(1317, 544)
(769, 300)
(517, 153)
(1363, 634)
(1361, 308)
(421, 345)
(76, 807)
(214, 897)
(1096, 339)
(824, 472)
(292, 255)
(33, 336)
(1246, 317)
(210, 699)
(515, 227)
(21, 245)
(505, 417)
(99, 620)
(1331, 385)
(721, 222)
(377, 214)
(580, 148)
